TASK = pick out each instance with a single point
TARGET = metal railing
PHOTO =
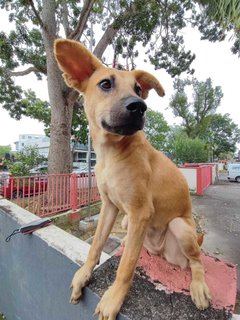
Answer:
(203, 175)
(45, 195)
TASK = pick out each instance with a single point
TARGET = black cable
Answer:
(12, 234)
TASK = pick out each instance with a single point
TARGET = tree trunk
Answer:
(61, 98)
(61, 112)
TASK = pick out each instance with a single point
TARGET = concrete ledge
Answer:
(72, 247)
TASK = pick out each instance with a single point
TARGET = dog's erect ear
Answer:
(76, 61)
(147, 82)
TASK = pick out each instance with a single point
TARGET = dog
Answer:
(132, 177)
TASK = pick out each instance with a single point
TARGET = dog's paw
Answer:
(201, 295)
(79, 281)
(110, 304)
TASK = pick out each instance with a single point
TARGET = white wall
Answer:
(191, 175)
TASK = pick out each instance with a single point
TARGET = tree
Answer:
(156, 129)
(26, 159)
(4, 150)
(28, 48)
(221, 135)
(189, 150)
(175, 132)
(205, 100)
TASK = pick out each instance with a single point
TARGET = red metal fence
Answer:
(203, 176)
(45, 195)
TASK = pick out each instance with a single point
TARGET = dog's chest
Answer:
(112, 183)
(107, 180)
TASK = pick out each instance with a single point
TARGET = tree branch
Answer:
(65, 19)
(24, 72)
(36, 14)
(86, 10)
(105, 40)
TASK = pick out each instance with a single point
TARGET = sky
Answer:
(213, 60)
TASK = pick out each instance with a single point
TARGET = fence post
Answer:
(73, 191)
(212, 167)
(199, 181)
(73, 216)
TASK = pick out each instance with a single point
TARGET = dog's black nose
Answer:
(135, 105)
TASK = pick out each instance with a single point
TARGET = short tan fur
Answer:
(132, 177)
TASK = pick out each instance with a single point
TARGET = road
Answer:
(219, 211)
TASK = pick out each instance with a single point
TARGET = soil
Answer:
(73, 228)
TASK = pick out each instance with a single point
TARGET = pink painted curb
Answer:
(220, 276)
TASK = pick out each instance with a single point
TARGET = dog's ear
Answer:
(76, 62)
(147, 82)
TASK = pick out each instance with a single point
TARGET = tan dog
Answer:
(132, 177)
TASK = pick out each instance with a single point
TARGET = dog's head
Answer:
(114, 99)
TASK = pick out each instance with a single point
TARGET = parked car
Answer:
(83, 170)
(234, 172)
(14, 187)
(40, 169)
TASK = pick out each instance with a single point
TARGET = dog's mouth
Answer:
(125, 129)
(126, 117)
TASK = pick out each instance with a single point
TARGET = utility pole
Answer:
(89, 145)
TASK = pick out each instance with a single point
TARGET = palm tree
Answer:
(226, 12)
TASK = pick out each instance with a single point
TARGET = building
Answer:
(41, 142)
(80, 154)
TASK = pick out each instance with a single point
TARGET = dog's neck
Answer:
(105, 143)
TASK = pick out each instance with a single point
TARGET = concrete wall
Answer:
(36, 270)
(191, 175)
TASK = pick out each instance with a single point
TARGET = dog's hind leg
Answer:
(107, 218)
(187, 241)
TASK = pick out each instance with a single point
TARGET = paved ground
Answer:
(219, 211)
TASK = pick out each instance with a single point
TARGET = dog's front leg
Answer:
(106, 220)
(113, 298)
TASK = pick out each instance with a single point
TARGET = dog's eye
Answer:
(138, 90)
(105, 85)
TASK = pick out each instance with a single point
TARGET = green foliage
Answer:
(221, 135)
(175, 132)
(156, 129)
(26, 159)
(79, 123)
(226, 12)
(216, 18)
(4, 150)
(156, 25)
(205, 100)
(2, 317)
(189, 150)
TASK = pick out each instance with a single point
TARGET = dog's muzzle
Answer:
(126, 117)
